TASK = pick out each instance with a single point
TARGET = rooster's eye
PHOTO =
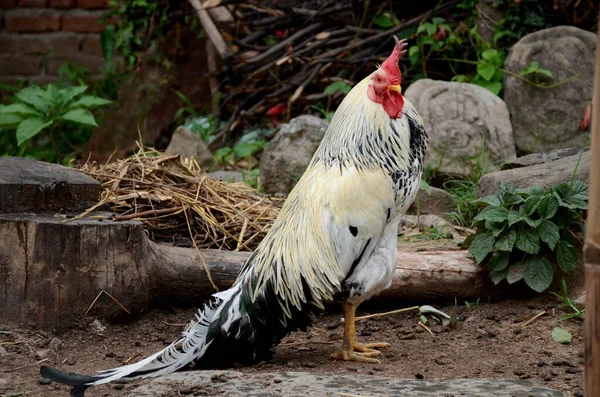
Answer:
(378, 79)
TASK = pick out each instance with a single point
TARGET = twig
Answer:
(211, 30)
(111, 297)
(356, 319)
(281, 45)
(148, 213)
(532, 319)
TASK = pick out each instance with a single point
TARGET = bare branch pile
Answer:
(284, 54)
(179, 204)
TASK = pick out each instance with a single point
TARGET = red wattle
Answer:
(393, 104)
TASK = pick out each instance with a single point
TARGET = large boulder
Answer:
(540, 158)
(189, 145)
(286, 157)
(545, 175)
(462, 120)
(432, 201)
(546, 119)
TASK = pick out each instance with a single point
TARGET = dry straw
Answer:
(179, 204)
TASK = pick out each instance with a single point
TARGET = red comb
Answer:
(391, 63)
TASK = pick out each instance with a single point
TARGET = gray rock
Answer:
(286, 157)
(435, 201)
(461, 119)
(545, 175)
(431, 221)
(55, 344)
(187, 144)
(28, 185)
(546, 119)
(540, 158)
(487, 18)
(301, 384)
(227, 176)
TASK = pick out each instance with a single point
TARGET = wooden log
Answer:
(51, 271)
(211, 30)
(592, 253)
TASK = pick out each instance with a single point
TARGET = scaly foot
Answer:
(370, 347)
(366, 357)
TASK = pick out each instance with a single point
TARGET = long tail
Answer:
(191, 346)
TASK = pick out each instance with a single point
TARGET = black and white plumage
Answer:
(334, 240)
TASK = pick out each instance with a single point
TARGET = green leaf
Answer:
(539, 273)
(566, 256)
(498, 275)
(532, 68)
(546, 72)
(507, 187)
(528, 240)
(489, 200)
(512, 199)
(549, 233)
(507, 241)
(383, 21)
(10, 120)
(247, 149)
(494, 86)
(493, 214)
(547, 206)
(425, 186)
(108, 44)
(338, 86)
(68, 93)
(481, 246)
(514, 217)
(30, 128)
(486, 70)
(90, 101)
(562, 336)
(30, 95)
(426, 27)
(413, 54)
(20, 108)
(530, 205)
(498, 261)
(81, 116)
(516, 272)
(489, 55)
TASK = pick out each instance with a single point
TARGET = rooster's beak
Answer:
(396, 88)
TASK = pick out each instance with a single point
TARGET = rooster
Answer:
(335, 240)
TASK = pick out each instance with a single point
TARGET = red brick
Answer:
(33, 3)
(82, 23)
(63, 43)
(9, 43)
(92, 4)
(62, 3)
(32, 45)
(28, 23)
(92, 45)
(26, 65)
(8, 3)
(93, 63)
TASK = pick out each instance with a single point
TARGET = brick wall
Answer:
(39, 36)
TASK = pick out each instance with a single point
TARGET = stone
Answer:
(464, 122)
(487, 18)
(539, 158)
(227, 176)
(55, 344)
(545, 175)
(432, 201)
(546, 119)
(189, 145)
(432, 221)
(286, 157)
(28, 185)
(299, 384)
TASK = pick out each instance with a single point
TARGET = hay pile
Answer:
(179, 204)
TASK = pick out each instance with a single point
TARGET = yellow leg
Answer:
(352, 351)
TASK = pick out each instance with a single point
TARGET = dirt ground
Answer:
(489, 341)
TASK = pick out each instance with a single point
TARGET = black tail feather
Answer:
(77, 381)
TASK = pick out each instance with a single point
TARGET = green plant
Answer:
(520, 18)
(473, 309)
(51, 111)
(566, 302)
(522, 233)
(252, 178)
(241, 150)
(327, 115)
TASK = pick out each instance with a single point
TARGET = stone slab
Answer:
(302, 384)
(28, 185)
